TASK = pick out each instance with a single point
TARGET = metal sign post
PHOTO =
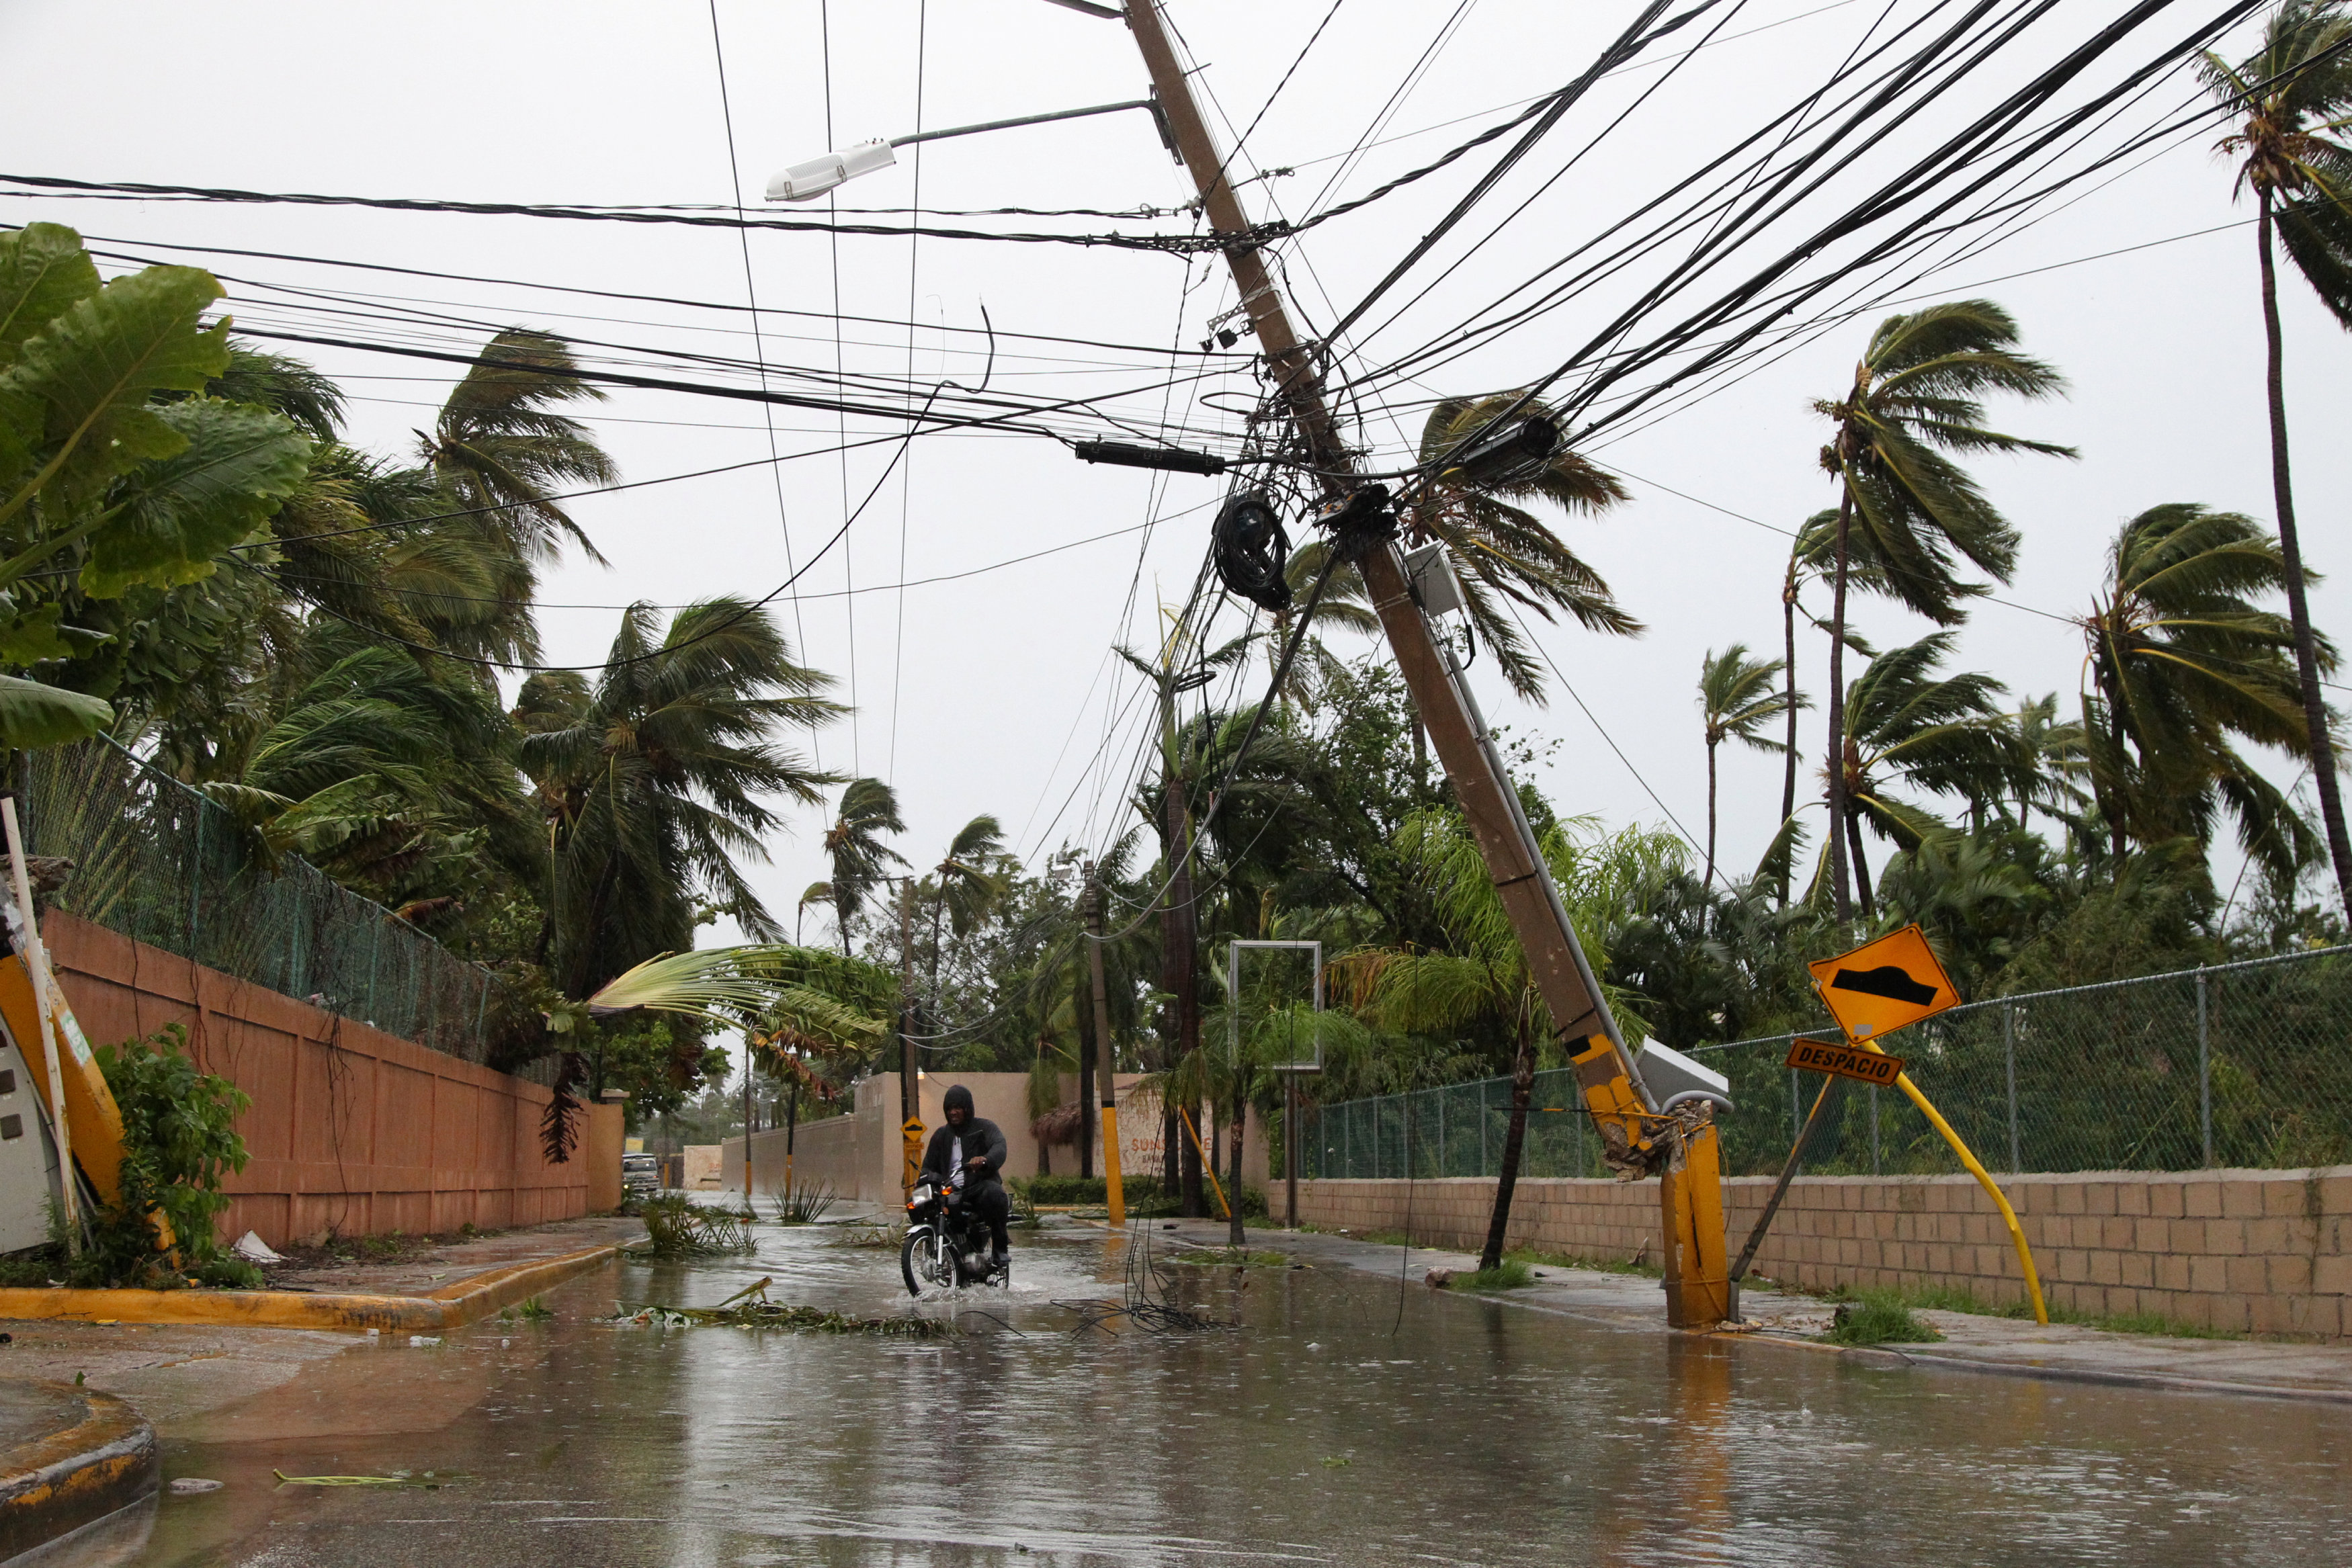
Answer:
(1289, 1070)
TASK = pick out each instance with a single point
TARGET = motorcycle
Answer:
(947, 1244)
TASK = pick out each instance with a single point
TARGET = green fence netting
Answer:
(159, 861)
(2244, 1065)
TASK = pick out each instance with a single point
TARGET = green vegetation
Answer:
(533, 1311)
(1953, 1299)
(178, 1142)
(1510, 1274)
(1878, 1317)
(1231, 1258)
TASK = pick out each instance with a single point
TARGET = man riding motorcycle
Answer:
(967, 1155)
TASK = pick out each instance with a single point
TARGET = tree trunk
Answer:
(2298, 608)
(1178, 961)
(1235, 1235)
(1082, 1003)
(1788, 657)
(1861, 867)
(1836, 829)
(1523, 1078)
(1710, 812)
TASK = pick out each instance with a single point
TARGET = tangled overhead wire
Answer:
(1252, 551)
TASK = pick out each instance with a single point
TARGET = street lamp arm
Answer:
(807, 181)
(1022, 120)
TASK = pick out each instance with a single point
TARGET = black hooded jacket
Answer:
(982, 1139)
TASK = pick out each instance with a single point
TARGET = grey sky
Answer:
(994, 693)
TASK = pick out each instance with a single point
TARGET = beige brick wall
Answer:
(2265, 1252)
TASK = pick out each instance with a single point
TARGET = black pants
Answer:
(992, 1203)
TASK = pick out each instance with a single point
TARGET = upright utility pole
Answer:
(1623, 1111)
(1109, 1059)
(1179, 947)
(911, 1102)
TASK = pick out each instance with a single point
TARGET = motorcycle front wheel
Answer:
(923, 1260)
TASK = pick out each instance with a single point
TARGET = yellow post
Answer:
(1690, 1191)
(1207, 1164)
(1111, 1187)
(1976, 1169)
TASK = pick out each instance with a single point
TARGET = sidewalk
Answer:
(2002, 1346)
(425, 1293)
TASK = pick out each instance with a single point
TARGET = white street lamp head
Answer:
(807, 181)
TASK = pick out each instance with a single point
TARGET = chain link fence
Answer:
(162, 864)
(2245, 1065)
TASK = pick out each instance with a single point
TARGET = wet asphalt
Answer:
(1331, 1416)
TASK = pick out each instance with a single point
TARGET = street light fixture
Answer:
(807, 181)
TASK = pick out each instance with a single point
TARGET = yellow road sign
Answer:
(1873, 1067)
(1884, 986)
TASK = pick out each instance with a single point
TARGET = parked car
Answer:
(641, 1175)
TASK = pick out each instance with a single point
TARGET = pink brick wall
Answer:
(351, 1128)
(2265, 1252)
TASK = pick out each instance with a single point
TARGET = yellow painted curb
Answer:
(453, 1306)
(56, 1484)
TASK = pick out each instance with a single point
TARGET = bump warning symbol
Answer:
(1884, 986)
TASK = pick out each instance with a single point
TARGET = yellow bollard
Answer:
(1976, 1169)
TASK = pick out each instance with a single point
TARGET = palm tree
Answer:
(1735, 700)
(653, 779)
(2297, 90)
(1501, 550)
(869, 809)
(1946, 735)
(1812, 554)
(2179, 662)
(497, 444)
(1915, 398)
(814, 892)
(968, 882)
(2053, 746)
(1479, 982)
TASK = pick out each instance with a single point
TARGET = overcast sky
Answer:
(994, 692)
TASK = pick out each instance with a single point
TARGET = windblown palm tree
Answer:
(1915, 398)
(1480, 982)
(2295, 90)
(854, 843)
(1501, 550)
(1946, 736)
(654, 782)
(497, 444)
(2181, 664)
(968, 882)
(2053, 746)
(1735, 701)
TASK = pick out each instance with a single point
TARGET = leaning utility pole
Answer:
(1635, 1130)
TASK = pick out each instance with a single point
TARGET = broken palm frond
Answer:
(806, 1203)
(559, 1127)
(1058, 1126)
(426, 1479)
(889, 1238)
(750, 1308)
(1231, 1258)
(820, 993)
(677, 1227)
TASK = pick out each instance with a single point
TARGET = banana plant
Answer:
(113, 464)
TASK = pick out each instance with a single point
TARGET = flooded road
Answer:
(1344, 1420)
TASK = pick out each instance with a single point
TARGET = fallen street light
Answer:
(807, 181)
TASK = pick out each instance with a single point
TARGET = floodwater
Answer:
(1345, 1420)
